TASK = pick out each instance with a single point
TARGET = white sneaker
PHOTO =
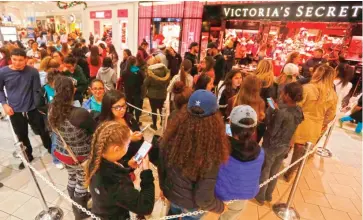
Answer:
(59, 166)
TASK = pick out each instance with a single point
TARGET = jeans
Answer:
(20, 121)
(234, 210)
(273, 161)
(176, 210)
(358, 129)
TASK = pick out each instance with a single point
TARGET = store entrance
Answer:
(166, 31)
(107, 32)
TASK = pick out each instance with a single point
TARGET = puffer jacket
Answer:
(114, 195)
(239, 178)
(156, 82)
(187, 193)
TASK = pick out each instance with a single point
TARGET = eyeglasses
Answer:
(119, 107)
(98, 89)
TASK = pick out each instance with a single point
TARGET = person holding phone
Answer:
(114, 108)
(244, 165)
(112, 189)
(281, 121)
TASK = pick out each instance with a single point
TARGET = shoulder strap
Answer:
(67, 148)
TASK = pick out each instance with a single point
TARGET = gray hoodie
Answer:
(108, 77)
(281, 125)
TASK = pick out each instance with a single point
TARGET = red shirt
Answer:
(94, 69)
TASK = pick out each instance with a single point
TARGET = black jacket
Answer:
(219, 68)
(82, 62)
(113, 193)
(187, 193)
(193, 59)
(123, 67)
(311, 63)
(281, 125)
(174, 63)
(133, 83)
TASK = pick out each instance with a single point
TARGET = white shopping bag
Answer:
(161, 209)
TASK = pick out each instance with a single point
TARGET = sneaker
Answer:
(22, 166)
(15, 154)
(59, 166)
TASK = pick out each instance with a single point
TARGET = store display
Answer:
(66, 5)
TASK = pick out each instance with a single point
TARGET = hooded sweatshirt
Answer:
(156, 82)
(281, 124)
(132, 80)
(108, 77)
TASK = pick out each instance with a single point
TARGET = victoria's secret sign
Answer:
(312, 11)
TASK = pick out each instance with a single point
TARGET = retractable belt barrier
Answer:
(195, 213)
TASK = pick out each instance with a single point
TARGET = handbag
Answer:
(161, 209)
(82, 164)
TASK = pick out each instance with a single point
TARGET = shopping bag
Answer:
(161, 209)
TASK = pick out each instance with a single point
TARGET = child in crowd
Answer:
(281, 122)
(112, 190)
(238, 179)
(107, 74)
(95, 102)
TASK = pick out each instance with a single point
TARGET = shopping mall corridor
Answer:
(330, 188)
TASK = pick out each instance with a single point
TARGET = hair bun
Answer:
(178, 87)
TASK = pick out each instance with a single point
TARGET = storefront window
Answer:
(174, 24)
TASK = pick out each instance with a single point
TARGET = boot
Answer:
(71, 192)
(79, 214)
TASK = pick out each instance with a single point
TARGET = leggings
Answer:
(76, 178)
(299, 151)
(156, 104)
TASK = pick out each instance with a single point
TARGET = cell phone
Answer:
(142, 152)
(146, 127)
(271, 103)
(228, 130)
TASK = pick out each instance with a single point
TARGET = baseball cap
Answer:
(193, 44)
(205, 100)
(241, 112)
(211, 45)
(291, 69)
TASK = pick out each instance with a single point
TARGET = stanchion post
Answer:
(323, 151)
(48, 213)
(284, 210)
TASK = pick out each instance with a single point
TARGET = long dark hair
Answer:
(195, 145)
(228, 83)
(244, 136)
(345, 73)
(95, 56)
(185, 67)
(209, 63)
(202, 82)
(131, 61)
(109, 99)
(113, 50)
(61, 106)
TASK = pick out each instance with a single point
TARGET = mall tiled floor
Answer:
(330, 188)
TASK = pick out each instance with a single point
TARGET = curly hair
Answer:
(61, 106)
(107, 133)
(195, 145)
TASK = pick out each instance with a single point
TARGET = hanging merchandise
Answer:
(66, 5)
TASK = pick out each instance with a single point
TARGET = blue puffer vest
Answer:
(239, 180)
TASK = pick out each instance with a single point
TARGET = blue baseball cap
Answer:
(204, 100)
